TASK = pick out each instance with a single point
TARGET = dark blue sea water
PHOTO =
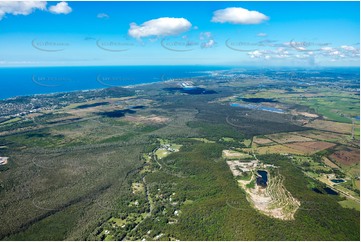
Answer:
(43, 80)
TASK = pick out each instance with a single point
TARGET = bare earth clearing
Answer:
(273, 200)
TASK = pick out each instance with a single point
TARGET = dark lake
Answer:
(330, 191)
(116, 113)
(337, 180)
(262, 179)
(138, 107)
(258, 100)
(316, 190)
(325, 190)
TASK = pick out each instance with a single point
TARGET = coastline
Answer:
(90, 90)
(204, 73)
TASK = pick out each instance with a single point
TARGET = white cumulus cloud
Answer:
(261, 34)
(20, 8)
(207, 38)
(258, 54)
(328, 49)
(348, 47)
(102, 15)
(350, 51)
(209, 44)
(159, 27)
(205, 35)
(60, 8)
(238, 16)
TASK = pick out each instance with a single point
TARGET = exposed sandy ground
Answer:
(308, 115)
(146, 119)
(261, 202)
(236, 166)
(274, 201)
(233, 168)
(231, 154)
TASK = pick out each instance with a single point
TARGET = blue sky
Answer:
(180, 33)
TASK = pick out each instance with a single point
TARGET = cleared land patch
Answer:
(298, 148)
(138, 187)
(204, 140)
(240, 168)
(247, 142)
(329, 163)
(231, 154)
(277, 149)
(262, 141)
(349, 203)
(268, 197)
(146, 119)
(324, 136)
(346, 157)
(310, 147)
(309, 115)
(274, 200)
(166, 149)
(283, 138)
(331, 126)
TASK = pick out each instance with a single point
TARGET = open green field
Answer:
(333, 104)
(348, 203)
(14, 120)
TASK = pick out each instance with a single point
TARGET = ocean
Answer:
(21, 81)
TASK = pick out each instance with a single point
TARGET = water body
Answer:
(317, 190)
(21, 81)
(338, 180)
(238, 105)
(138, 107)
(271, 109)
(258, 100)
(330, 191)
(325, 190)
(260, 107)
(116, 113)
(262, 179)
